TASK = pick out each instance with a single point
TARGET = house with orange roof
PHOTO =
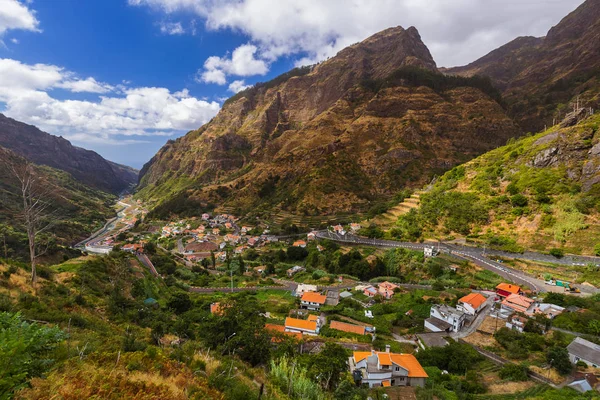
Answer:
(349, 328)
(471, 304)
(386, 289)
(518, 303)
(303, 326)
(299, 243)
(506, 289)
(279, 330)
(216, 309)
(312, 301)
(376, 368)
(339, 229)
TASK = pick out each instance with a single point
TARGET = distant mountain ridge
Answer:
(332, 138)
(84, 165)
(541, 78)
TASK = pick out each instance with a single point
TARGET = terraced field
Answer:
(391, 216)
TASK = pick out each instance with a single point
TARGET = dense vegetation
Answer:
(504, 200)
(440, 83)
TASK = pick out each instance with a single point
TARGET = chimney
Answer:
(387, 348)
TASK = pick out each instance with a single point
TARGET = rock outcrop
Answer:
(543, 78)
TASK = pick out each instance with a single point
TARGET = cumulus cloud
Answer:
(241, 63)
(457, 32)
(238, 86)
(171, 28)
(26, 91)
(16, 15)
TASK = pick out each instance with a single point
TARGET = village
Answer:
(384, 321)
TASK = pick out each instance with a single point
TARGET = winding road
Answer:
(477, 256)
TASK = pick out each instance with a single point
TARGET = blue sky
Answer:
(123, 76)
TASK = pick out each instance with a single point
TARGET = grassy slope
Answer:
(503, 199)
(77, 208)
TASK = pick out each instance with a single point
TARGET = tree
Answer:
(180, 303)
(240, 330)
(328, 366)
(213, 259)
(558, 357)
(35, 212)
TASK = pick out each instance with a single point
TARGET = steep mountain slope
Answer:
(332, 138)
(84, 165)
(542, 77)
(76, 208)
(538, 192)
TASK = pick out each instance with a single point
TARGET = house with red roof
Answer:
(471, 304)
(386, 289)
(506, 289)
(377, 368)
(518, 303)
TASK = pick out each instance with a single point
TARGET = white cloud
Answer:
(171, 28)
(14, 40)
(88, 85)
(26, 91)
(238, 86)
(15, 15)
(241, 63)
(457, 32)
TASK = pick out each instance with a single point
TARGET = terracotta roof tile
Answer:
(474, 299)
(344, 327)
(507, 287)
(300, 324)
(314, 297)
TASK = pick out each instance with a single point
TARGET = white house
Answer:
(308, 326)
(584, 350)
(516, 322)
(305, 287)
(445, 318)
(471, 304)
(312, 301)
(430, 251)
(376, 369)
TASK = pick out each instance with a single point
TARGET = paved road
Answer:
(475, 255)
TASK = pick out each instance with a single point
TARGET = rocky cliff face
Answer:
(84, 165)
(332, 138)
(542, 78)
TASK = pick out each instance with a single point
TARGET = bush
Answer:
(518, 200)
(514, 372)
(558, 253)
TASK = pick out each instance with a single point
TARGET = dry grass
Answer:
(551, 373)
(82, 380)
(490, 325)
(480, 340)
(509, 387)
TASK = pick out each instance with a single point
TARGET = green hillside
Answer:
(75, 208)
(537, 192)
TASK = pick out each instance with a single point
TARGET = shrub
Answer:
(514, 372)
(518, 200)
(558, 253)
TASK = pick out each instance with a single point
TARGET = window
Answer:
(397, 368)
